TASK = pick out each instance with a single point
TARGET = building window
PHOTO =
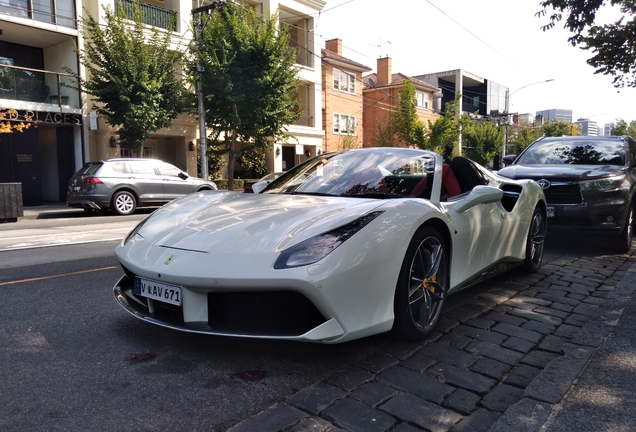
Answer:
(421, 100)
(344, 81)
(344, 124)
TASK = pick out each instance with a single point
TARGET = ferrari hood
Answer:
(231, 222)
(563, 171)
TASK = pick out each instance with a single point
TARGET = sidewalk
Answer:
(603, 397)
(48, 210)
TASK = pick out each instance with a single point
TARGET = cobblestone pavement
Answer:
(497, 362)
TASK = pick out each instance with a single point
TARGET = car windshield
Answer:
(368, 173)
(592, 152)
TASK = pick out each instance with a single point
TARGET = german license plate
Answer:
(550, 212)
(158, 291)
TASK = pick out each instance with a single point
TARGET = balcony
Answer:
(60, 12)
(151, 15)
(38, 87)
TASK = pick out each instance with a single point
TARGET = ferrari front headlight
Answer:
(318, 247)
(603, 184)
(135, 230)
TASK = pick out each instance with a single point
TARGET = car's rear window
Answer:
(576, 152)
(89, 168)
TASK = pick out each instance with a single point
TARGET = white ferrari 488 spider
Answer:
(342, 246)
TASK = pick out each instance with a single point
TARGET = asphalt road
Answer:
(73, 360)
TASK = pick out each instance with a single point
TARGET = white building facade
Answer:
(36, 43)
(307, 133)
(587, 127)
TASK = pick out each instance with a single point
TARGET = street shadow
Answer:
(71, 213)
(580, 244)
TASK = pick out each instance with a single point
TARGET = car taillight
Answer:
(93, 180)
(248, 187)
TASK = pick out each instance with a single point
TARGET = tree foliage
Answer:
(612, 45)
(249, 80)
(133, 74)
(445, 133)
(557, 128)
(384, 135)
(406, 124)
(482, 141)
(252, 160)
(623, 128)
(521, 137)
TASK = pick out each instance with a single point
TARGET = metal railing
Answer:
(38, 86)
(151, 15)
(63, 14)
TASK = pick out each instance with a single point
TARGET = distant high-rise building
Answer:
(607, 128)
(556, 115)
(587, 127)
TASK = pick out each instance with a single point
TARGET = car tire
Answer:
(624, 239)
(123, 203)
(535, 242)
(422, 286)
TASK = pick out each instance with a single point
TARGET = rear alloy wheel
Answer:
(422, 286)
(624, 240)
(535, 242)
(123, 203)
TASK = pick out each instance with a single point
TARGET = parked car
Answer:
(122, 185)
(342, 246)
(258, 186)
(589, 183)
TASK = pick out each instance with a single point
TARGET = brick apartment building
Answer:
(380, 98)
(342, 103)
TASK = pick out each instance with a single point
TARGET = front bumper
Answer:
(267, 315)
(607, 215)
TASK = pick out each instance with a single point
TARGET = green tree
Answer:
(623, 128)
(133, 74)
(408, 127)
(444, 134)
(521, 137)
(252, 159)
(482, 141)
(557, 128)
(620, 128)
(612, 45)
(384, 135)
(249, 80)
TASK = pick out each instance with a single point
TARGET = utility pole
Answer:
(198, 28)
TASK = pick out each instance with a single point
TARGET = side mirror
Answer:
(183, 176)
(479, 195)
(509, 159)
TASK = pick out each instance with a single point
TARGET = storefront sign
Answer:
(45, 117)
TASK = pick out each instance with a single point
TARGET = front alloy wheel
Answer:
(422, 286)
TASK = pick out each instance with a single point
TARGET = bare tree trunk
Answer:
(231, 157)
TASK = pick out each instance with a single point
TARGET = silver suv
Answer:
(122, 185)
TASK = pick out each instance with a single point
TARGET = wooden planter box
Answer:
(11, 202)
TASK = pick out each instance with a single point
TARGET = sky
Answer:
(500, 40)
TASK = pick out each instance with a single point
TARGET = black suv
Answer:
(122, 185)
(588, 181)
